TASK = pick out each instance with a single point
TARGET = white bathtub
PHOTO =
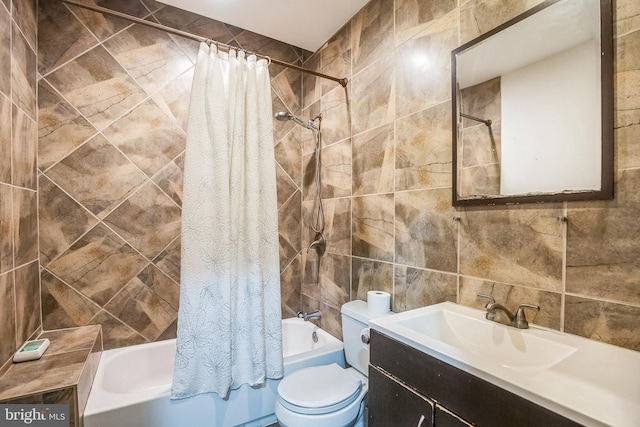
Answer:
(132, 384)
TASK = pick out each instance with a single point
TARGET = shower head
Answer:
(284, 116)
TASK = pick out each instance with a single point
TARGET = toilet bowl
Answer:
(330, 395)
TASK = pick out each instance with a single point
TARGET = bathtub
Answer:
(132, 385)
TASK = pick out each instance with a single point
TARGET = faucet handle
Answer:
(489, 297)
(520, 320)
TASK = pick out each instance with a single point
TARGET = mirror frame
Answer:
(607, 112)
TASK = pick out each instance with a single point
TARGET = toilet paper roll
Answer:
(378, 302)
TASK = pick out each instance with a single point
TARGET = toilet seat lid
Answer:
(319, 389)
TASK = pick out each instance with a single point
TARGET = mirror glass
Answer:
(533, 108)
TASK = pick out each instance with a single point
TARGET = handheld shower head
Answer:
(283, 116)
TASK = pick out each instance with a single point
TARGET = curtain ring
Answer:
(208, 42)
(268, 58)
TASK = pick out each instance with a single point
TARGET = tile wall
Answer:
(387, 183)
(113, 101)
(19, 268)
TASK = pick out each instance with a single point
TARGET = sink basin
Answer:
(465, 330)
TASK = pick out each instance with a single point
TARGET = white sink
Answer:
(592, 383)
(468, 330)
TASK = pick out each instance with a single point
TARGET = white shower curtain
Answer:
(229, 321)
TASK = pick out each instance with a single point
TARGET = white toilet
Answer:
(329, 395)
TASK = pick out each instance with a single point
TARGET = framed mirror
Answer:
(533, 108)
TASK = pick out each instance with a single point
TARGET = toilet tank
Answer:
(355, 317)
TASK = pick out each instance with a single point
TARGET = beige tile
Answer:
(331, 320)
(148, 220)
(372, 227)
(61, 36)
(116, 334)
(603, 321)
(104, 26)
(627, 17)
(148, 137)
(423, 149)
(627, 106)
(373, 94)
(24, 14)
(511, 297)
(8, 324)
(336, 170)
(61, 128)
(25, 226)
(337, 229)
(289, 218)
(97, 175)
(63, 306)
(425, 230)
(332, 288)
(101, 89)
(170, 179)
(6, 228)
(61, 220)
(287, 85)
(169, 260)
(285, 185)
(415, 288)
(336, 115)
(311, 85)
(24, 146)
(371, 33)
(336, 58)
(288, 152)
(98, 265)
(27, 293)
(373, 161)
(73, 339)
(267, 46)
(23, 73)
(291, 285)
(5, 139)
(5, 52)
(519, 245)
(413, 17)
(368, 275)
(174, 98)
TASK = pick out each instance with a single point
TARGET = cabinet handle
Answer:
(421, 421)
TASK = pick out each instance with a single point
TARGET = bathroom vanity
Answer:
(448, 365)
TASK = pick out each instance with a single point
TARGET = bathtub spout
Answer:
(309, 316)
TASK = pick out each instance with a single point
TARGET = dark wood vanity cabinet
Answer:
(405, 384)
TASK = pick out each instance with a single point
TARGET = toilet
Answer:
(330, 395)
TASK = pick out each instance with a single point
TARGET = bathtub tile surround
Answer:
(583, 273)
(110, 184)
(19, 275)
(63, 375)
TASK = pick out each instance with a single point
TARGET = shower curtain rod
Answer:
(343, 81)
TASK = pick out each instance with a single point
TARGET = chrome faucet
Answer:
(309, 316)
(319, 244)
(517, 320)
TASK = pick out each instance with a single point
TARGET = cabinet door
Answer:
(444, 418)
(392, 404)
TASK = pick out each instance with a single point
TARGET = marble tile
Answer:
(270, 47)
(603, 254)
(603, 321)
(103, 26)
(372, 227)
(336, 116)
(174, 98)
(5, 52)
(148, 137)
(291, 284)
(150, 56)
(153, 5)
(97, 175)
(7, 317)
(5, 139)
(169, 260)
(331, 320)
(413, 17)
(287, 85)
(423, 149)
(289, 218)
(85, 381)
(626, 16)
(415, 288)
(116, 334)
(148, 303)
(280, 129)
(373, 161)
(512, 296)
(371, 32)
(479, 16)
(170, 333)
(476, 181)
(61, 220)
(101, 89)
(337, 229)
(373, 94)
(480, 145)
(27, 293)
(24, 149)
(311, 85)
(6, 228)
(335, 274)
(24, 14)
(23, 73)
(517, 244)
(63, 306)
(336, 58)
(61, 128)
(423, 67)
(336, 170)
(25, 226)
(148, 220)
(368, 275)
(285, 186)
(425, 230)
(98, 265)
(288, 153)
(70, 340)
(307, 138)
(627, 106)
(170, 179)
(61, 36)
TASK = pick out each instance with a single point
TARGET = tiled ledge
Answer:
(63, 375)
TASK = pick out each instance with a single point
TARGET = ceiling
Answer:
(303, 23)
